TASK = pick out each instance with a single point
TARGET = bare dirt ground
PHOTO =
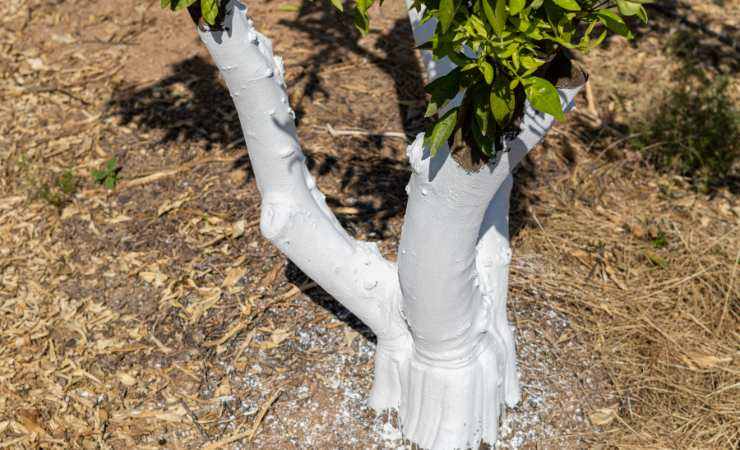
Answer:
(153, 315)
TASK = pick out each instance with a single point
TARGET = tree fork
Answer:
(445, 358)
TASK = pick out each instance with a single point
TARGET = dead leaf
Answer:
(271, 276)
(209, 298)
(237, 229)
(278, 337)
(168, 206)
(603, 416)
(349, 336)
(127, 379)
(69, 211)
(29, 420)
(156, 278)
(118, 219)
(233, 276)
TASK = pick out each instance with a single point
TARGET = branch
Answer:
(294, 215)
(452, 216)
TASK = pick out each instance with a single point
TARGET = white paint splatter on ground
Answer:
(326, 371)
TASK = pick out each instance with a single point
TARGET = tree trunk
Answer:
(445, 358)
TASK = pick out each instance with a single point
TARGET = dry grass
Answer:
(649, 278)
(154, 315)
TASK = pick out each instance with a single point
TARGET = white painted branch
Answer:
(294, 215)
(423, 33)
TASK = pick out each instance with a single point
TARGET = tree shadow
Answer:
(192, 105)
(319, 296)
(371, 178)
(691, 39)
(188, 105)
(686, 34)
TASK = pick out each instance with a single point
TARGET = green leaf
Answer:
(570, 5)
(530, 62)
(209, 9)
(544, 97)
(481, 118)
(164, 3)
(181, 4)
(99, 175)
(502, 101)
(536, 4)
(612, 21)
(501, 15)
(515, 6)
(487, 70)
(110, 182)
(515, 59)
(497, 19)
(485, 143)
(289, 8)
(442, 131)
(599, 40)
(642, 14)
(632, 8)
(362, 22)
(442, 90)
(364, 5)
(479, 26)
(446, 13)
(111, 165)
(627, 8)
(360, 17)
(338, 4)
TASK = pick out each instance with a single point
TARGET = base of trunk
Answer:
(445, 406)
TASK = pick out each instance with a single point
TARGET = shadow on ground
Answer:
(190, 105)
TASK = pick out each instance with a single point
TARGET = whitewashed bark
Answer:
(445, 358)
(294, 215)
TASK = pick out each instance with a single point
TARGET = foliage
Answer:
(108, 175)
(506, 51)
(694, 132)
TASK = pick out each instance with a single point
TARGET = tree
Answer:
(445, 356)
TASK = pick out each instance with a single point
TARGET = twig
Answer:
(292, 292)
(233, 331)
(389, 134)
(249, 435)
(194, 418)
(168, 173)
(263, 411)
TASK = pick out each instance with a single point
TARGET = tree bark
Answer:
(445, 358)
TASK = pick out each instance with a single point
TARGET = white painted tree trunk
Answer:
(445, 358)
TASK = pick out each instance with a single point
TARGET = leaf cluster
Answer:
(504, 51)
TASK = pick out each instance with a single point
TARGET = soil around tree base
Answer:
(154, 315)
